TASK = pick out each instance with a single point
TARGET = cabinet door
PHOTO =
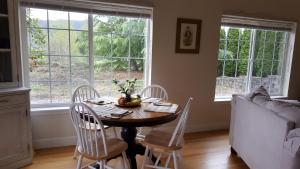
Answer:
(14, 135)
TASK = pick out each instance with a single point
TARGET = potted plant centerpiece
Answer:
(127, 88)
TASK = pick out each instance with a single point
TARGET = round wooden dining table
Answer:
(137, 118)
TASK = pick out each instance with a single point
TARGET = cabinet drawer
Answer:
(13, 99)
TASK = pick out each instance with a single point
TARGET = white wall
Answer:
(185, 75)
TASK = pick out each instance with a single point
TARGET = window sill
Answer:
(223, 99)
(228, 99)
(39, 109)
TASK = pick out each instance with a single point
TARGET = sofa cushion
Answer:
(259, 96)
(260, 92)
(285, 109)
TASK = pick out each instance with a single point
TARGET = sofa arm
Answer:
(292, 143)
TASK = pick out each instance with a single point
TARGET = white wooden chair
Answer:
(93, 143)
(166, 142)
(81, 94)
(155, 91)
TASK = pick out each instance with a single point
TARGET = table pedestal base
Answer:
(128, 134)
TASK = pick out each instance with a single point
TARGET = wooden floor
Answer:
(205, 150)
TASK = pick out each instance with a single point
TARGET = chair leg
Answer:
(75, 151)
(168, 161)
(79, 162)
(175, 160)
(115, 132)
(145, 157)
(125, 162)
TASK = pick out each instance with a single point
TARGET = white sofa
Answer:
(265, 133)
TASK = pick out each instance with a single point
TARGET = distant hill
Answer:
(75, 24)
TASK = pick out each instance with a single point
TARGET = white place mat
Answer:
(110, 111)
(165, 109)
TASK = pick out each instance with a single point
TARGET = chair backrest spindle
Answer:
(83, 93)
(89, 130)
(177, 136)
(155, 91)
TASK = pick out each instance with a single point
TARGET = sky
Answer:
(56, 15)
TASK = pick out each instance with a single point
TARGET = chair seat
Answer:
(93, 126)
(158, 139)
(115, 147)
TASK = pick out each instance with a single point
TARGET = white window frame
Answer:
(254, 23)
(89, 5)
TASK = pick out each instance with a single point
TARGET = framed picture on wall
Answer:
(188, 35)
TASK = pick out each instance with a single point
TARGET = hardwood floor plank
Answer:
(203, 150)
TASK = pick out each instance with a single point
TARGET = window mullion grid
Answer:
(70, 58)
(224, 61)
(129, 50)
(237, 59)
(91, 75)
(49, 60)
(273, 56)
(111, 61)
(251, 59)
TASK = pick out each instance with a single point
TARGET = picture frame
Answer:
(188, 35)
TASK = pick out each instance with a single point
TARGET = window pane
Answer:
(58, 19)
(36, 18)
(39, 69)
(102, 68)
(80, 69)
(138, 26)
(137, 47)
(120, 46)
(78, 21)
(102, 45)
(60, 92)
(38, 42)
(103, 24)
(120, 68)
(230, 67)
(242, 67)
(137, 69)
(105, 88)
(267, 67)
(281, 37)
(277, 68)
(220, 67)
(59, 42)
(60, 68)
(279, 51)
(40, 92)
(79, 43)
(275, 86)
(257, 68)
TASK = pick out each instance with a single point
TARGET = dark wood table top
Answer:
(139, 118)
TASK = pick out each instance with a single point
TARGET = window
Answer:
(67, 49)
(252, 53)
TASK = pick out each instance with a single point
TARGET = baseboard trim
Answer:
(54, 142)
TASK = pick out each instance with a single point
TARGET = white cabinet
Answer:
(15, 128)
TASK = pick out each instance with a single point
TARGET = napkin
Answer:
(165, 109)
(99, 101)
